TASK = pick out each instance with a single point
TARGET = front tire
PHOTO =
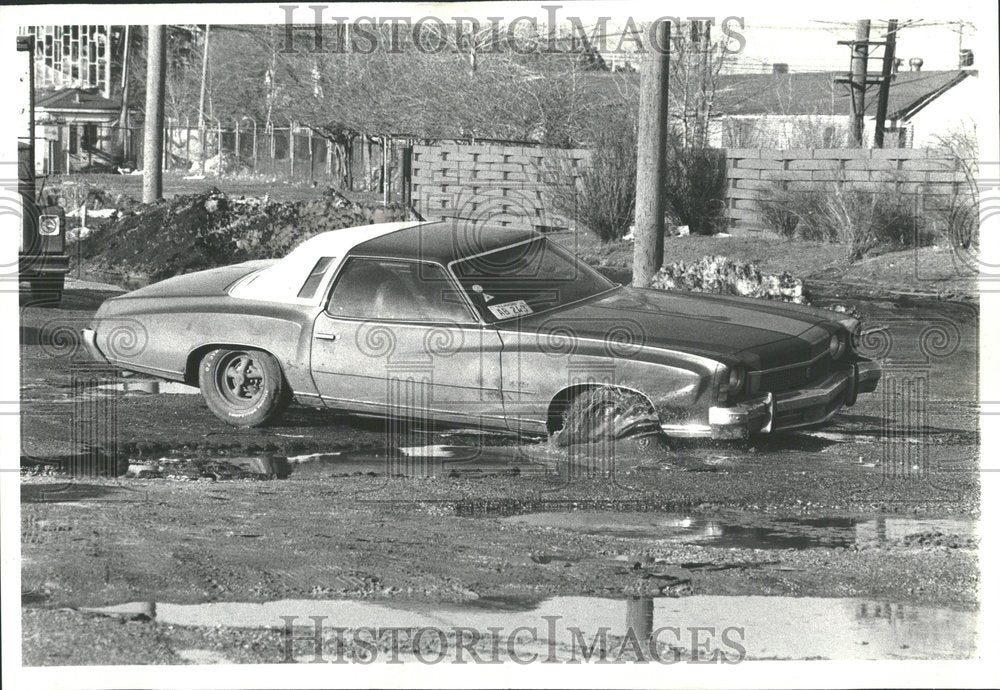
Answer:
(243, 387)
(604, 413)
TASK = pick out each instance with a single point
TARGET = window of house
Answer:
(74, 144)
(89, 137)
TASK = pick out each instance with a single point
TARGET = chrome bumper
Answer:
(89, 338)
(788, 409)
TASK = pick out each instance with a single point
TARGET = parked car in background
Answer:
(42, 259)
(502, 328)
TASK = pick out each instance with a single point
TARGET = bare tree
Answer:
(696, 61)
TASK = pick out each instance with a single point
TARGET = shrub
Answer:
(863, 219)
(868, 219)
(695, 186)
(603, 195)
(719, 275)
(960, 220)
(777, 212)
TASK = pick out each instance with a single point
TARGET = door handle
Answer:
(326, 336)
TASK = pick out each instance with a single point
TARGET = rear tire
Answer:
(243, 387)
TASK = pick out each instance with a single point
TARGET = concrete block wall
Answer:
(509, 185)
(752, 173)
(502, 185)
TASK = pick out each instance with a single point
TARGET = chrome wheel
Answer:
(240, 379)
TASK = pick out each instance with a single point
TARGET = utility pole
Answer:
(888, 59)
(650, 203)
(123, 130)
(859, 80)
(152, 152)
(201, 102)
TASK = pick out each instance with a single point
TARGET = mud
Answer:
(192, 232)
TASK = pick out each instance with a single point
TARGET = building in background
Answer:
(810, 109)
(76, 116)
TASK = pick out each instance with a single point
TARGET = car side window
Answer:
(385, 289)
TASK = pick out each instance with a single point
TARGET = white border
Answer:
(981, 673)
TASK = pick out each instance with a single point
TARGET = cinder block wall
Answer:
(752, 173)
(501, 185)
(507, 185)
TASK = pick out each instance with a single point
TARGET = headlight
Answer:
(737, 376)
(837, 346)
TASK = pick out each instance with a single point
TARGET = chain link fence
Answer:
(290, 152)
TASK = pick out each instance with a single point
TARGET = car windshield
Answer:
(526, 278)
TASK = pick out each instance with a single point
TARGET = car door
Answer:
(398, 337)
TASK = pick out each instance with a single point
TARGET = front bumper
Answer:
(37, 266)
(788, 409)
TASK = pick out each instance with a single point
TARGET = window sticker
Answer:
(478, 289)
(508, 310)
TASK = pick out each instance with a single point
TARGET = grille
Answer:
(795, 377)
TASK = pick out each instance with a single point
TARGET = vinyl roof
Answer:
(442, 241)
(438, 241)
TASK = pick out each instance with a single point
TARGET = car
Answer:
(499, 328)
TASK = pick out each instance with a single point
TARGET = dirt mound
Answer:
(198, 231)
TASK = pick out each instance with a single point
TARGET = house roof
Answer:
(797, 93)
(74, 99)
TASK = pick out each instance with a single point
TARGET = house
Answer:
(813, 110)
(76, 130)
(76, 116)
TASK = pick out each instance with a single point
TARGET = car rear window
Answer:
(315, 277)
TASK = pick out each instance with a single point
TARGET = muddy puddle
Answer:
(150, 387)
(739, 627)
(785, 533)
(428, 461)
(434, 460)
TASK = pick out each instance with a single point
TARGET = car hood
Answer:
(759, 333)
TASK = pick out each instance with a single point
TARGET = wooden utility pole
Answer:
(123, 131)
(201, 101)
(859, 80)
(386, 171)
(650, 203)
(152, 150)
(883, 88)
(639, 618)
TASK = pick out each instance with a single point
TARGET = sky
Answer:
(812, 45)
